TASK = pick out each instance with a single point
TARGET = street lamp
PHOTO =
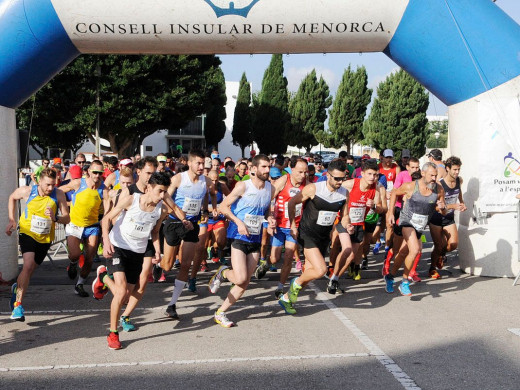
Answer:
(98, 144)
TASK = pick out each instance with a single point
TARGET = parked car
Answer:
(326, 156)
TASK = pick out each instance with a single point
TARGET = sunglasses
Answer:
(341, 178)
(80, 162)
(97, 172)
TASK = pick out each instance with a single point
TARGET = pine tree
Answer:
(242, 123)
(215, 128)
(308, 111)
(398, 117)
(271, 117)
(349, 109)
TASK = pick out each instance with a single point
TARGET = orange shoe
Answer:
(434, 274)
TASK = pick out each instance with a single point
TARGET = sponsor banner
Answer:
(223, 26)
(499, 157)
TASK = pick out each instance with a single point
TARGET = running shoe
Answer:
(208, 249)
(72, 270)
(414, 278)
(18, 314)
(156, 272)
(79, 290)
(387, 248)
(177, 264)
(171, 312)
(278, 293)
(150, 278)
(375, 251)
(14, 287)
(113, 341)
(332, 287)
(364, 263)
(434, 274)
(192, 284)
(350, 271)
(261, 270)
(222, 320)
(125, 323)
(216, 280)
(204, 268)
(99, 289)
(294, 290)
(404, 288)
(162, 279)
(357, 275)
(100, 250)
(330, 272)
(299, 265)
(273, 268)
(81, 260)
(287, 306)
(215, 260)
(389, 284)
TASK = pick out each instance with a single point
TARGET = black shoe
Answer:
(278, 293)
(332, 287)
(72, 270)
(171, 312)
(80, 291)
(156, 272)
(364, 264)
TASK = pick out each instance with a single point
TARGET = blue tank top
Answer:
(190, 196)
(250, 208)
(220, 198)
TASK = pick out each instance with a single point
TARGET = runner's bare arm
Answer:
(64, 218)
(110, 180)
(279, 185)
(348, 184)
(378, 203)
(462, 205)
(345, 217)
(213, 194)
(441, 204)
(382, 192)
(308, 192)
(225, 206)
(107, 222)
(18, 194)
(73, 185)
(269, 213)
(404, 190)
(156, 236)
(176, 182)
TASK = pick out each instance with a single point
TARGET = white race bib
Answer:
(419, 221)
(298, 211)
(254, 223)
(326, 218)
(41, 225)
(73, 230)
(192, 206)
(137, 230)
(357, 214)
(389, 186)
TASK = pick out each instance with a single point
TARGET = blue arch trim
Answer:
(429, 46)
(33, 48)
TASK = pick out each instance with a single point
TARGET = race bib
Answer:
(40, 225)
(73, 230)
(326, 218)
(419, 221)
(192, 206)
(356, 214)
(254, 223)
(298, 211)
(137, 230)
(389, 186)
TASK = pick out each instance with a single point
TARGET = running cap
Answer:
(124, 162)
(365, 157)
(275, 173)
(436, 154)
(161, 158)
(75, 172)
(405, 153)
(207, 163)
(388, 153)
(58, 167)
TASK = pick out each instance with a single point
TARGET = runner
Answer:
(37, 222)
(35, 176)
(190, 191)
(217, 225)
(323, 201)
(245, 207)
(112, 180)
(435, 156)
(442, 227)
(125, 179)
(422, 197)
(285, 188)
(133, 219)
(85, 209)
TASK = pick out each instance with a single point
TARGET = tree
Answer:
(242, 122)
(350, 106)
(437, 134)
(308, 111)
(398, 117)
(271, 117)
(215, 128)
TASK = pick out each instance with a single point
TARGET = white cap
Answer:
(388, 153)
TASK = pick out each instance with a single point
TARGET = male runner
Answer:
(245, 207)
(85, 209)
(133, 219)
(35, 176)
(421, 198)
(323, 201)
(37, 221)
(435, 156)
(189, 191)
(285, 188)
(442, 227)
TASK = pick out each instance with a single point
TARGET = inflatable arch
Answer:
(466, 52)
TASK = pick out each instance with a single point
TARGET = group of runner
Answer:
(149, 214)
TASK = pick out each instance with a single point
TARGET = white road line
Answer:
(187, 362)
(401, 376)
(515, 331)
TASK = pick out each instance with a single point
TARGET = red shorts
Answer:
(215, 226)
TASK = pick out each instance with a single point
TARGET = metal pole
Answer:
(98, 144)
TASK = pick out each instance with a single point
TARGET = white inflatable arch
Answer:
(464, 51)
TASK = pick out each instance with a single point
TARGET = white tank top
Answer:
(133, 227)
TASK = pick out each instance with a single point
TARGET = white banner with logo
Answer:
(223, 26)
(499, 155)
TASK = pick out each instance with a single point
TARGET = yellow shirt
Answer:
(34, 222)
(85, 206)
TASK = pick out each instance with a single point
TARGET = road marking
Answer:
(187, 362)
(398, 373)
(515, 331)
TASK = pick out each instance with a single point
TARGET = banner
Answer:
(499, 154)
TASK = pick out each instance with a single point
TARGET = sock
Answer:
(280, 286)
(16, 304)
(283, 298)
(296, 285)
(415, 262)
(179, 286)
(114, 331)
(389, 256)
(335, 277)
(81, 280)
(262, 259)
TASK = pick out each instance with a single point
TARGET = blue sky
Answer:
(332, 66)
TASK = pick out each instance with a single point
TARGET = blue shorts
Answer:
(281, 236)
(93, 230)
(265, 225)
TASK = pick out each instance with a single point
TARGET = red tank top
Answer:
(357, 203)
(282, 199)
(391, 174)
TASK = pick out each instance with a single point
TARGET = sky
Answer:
(332, 66)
